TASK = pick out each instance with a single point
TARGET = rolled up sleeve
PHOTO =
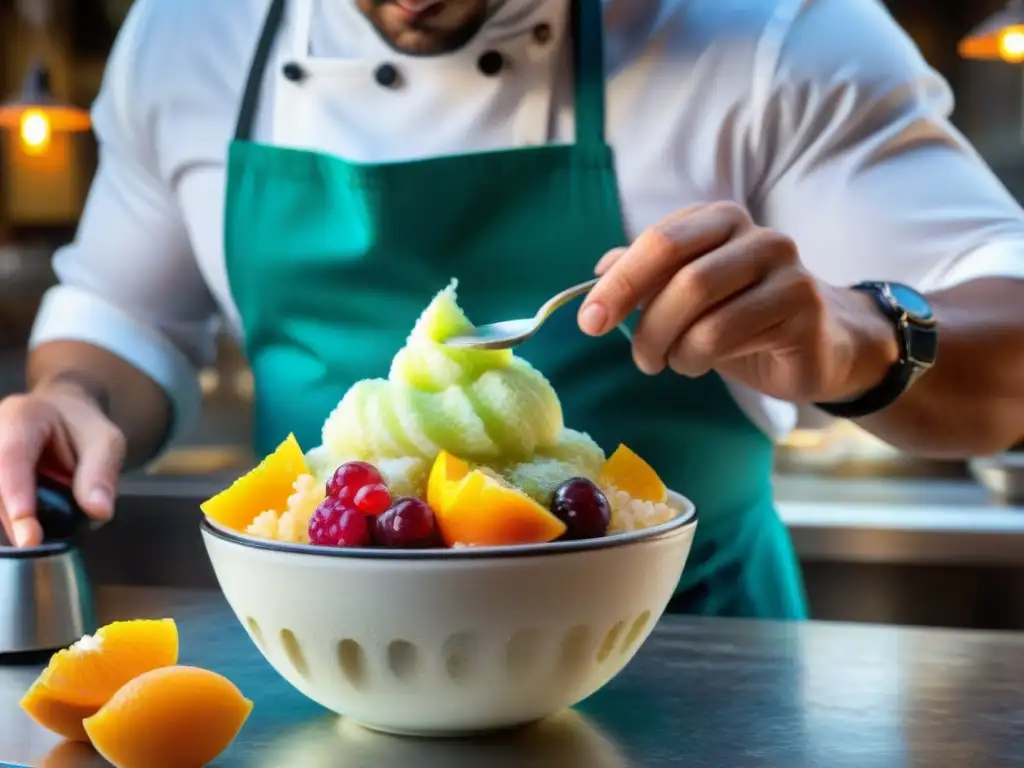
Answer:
(865, 171)
(129, 282)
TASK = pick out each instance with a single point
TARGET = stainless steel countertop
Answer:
(704, 693)
(888, 520)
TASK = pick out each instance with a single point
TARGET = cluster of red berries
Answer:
(359, 512)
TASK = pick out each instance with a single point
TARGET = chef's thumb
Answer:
(101, 453)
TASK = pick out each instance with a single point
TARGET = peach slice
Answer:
(480, 510)
(175, 717)
(628, 472)
(446, 474)
(266, 487)
(81, 679)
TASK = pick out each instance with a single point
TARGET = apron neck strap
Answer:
(258, 68)
(588, 61)
(588, 75)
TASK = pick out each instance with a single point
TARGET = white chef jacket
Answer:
(820, 116)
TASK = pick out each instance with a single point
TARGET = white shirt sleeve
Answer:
(862, 166)
(129, 282)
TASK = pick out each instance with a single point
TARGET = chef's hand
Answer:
(66, 430)
(720, 293)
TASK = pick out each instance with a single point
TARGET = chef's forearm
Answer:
(135, 403)
(971, 403)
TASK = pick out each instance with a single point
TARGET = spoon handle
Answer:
(568, 295)
(564, 297)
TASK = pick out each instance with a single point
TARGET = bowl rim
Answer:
(687, 518)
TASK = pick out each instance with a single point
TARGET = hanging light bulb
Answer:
(1011, 44)
(36, 115)
(1000, 37)
(34, 131)
(33, 112)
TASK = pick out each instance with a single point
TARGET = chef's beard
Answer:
(448, 29)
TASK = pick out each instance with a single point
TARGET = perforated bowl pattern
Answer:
(456, 642)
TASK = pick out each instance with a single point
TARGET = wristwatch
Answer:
(917, 333)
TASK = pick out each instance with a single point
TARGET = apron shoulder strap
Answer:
(257, 69)
(588, 59)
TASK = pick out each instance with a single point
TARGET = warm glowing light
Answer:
(1011, 45)
(35, 131)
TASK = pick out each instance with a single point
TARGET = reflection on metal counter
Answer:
(836, 448)
(1003, 475)
(703, 693)
(566, 739)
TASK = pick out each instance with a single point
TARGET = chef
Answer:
(771, 190)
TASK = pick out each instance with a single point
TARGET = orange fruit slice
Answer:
(266, 487)
(175, 717)
(628, 472)
(481, 510)
(445, 475)
(93, 669)
(55, 714)
(81, 679)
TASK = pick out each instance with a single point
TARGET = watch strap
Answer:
(879, 397)
(897, 379)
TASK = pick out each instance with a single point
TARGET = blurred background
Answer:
(881, 537)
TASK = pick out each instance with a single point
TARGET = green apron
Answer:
(330, 262)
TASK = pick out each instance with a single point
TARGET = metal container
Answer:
(45, 598)
(45, 595)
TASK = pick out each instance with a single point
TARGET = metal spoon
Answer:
(511, 333)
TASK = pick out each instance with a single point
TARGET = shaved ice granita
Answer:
(455, 448)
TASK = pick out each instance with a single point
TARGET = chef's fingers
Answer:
(101, 449)
(608, 260)
(742, 326)
(651, 261)
(606, 263)
(25, 427)
(698, 289)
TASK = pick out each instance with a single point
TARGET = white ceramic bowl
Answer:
(449, 642)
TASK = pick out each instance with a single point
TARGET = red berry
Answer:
(583, 507)
(409, 524)
(336, 525)
(349, 478)
(373, 499)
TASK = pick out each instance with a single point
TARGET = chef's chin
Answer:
(445, 27)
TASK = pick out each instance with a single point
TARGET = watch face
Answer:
(913, 303)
